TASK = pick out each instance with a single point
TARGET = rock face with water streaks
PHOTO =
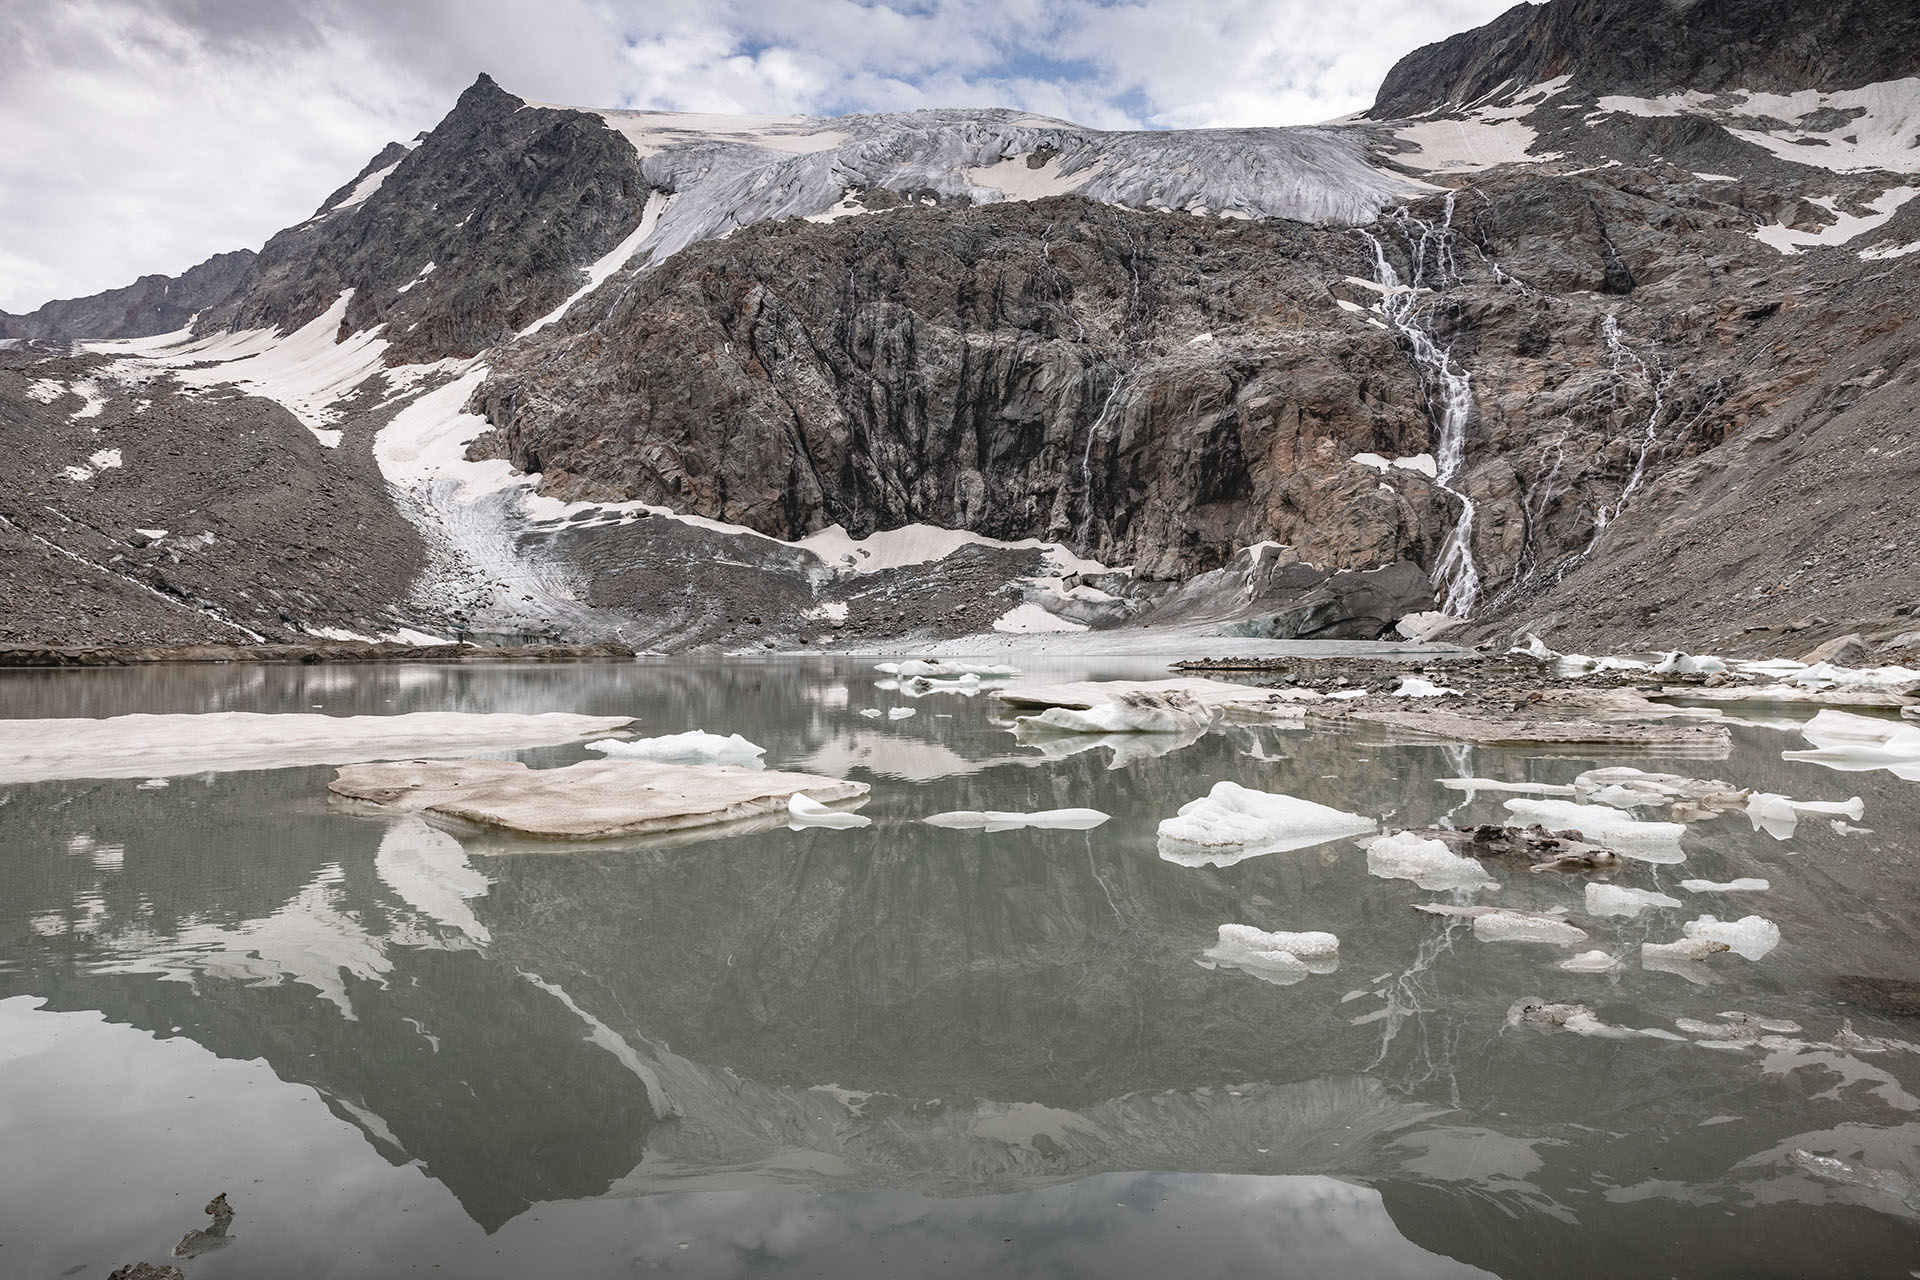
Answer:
(1592, 328)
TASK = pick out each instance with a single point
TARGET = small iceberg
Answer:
(1618, 900)
(1853, 743)
(1428, 863)
(1745, 884)
(696, 746)
(998, 820)
(1602, 824)
(1499, 924)
(900, 713)
(1621, 787)
(1590, 962)
(1140, 711)
(804, 812)
(1779, 817)
(1280, 958)
(1750, 937)
(1232, 822)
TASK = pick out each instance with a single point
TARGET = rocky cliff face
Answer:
(150, 305)
(1577, 349)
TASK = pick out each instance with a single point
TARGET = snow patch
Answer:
(1029, 619)
(1844, 228)
(364, 188)
(617, 257)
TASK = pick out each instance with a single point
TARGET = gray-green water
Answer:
(902, 1050)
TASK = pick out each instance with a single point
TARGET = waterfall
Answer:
(1086, 463)
(1449, 388)
(1623, 358)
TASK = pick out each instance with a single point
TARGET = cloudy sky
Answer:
(146, 136)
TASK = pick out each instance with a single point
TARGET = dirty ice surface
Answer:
(864, 1045)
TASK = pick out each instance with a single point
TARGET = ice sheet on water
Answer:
(1232, 822)
(1629, 837)
(1428, 863)
(1619, 900)
(803, 811)
(1750, 937)
(1280, 958)
(693, 746)
(1001, 820)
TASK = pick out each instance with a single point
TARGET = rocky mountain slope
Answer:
(1598, 324)
(150, 305)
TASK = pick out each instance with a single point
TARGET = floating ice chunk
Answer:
(1232, 822)
(1751, 937)
(1745, 884)
(1279, 958)
(941, 669)
(152, 784)
(1428, 863)
(1495, 784)
(1415, 687)
(1629, 837)
(900, 713)
(1853, 743)
(1139, 711)
(805, 812)
(999, 820)
(1522, 926)
(1619, 900)
(1682, 958)
(872, 713)
(1683, 664)
(696, 746)
(1621, 787)
(1590, 962)
(1778, 816)
(1576, 1018)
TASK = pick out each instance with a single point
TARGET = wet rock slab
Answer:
(592, 800)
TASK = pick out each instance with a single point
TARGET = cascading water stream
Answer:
(1086, 462)
(1622, 356)
(1449, 388)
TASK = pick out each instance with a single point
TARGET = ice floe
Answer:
(1577, 1018)
(1138, 711)
(1779, 817)
(1234, 700)
(901, 713)
(592, 800)
(1232, 822)
(946, 669)
(1590, 962)
(1002, 820)
(1428, 863)
(1630, 837)
(1619, 900)
(696, 746)
(1750, 937)
(1743, 884)
(1280, 958)
(803, 811)
(1621, 787)
(1854, 743)
(1502, 924)
(148, 746)
(1495, 784)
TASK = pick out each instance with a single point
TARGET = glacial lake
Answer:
(911, 1051)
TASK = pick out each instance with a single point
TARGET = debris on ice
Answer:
(696, 746)
(1280, 958)
(1629, 837)
(1232, 822)
(1750, 937)
(1621, 787)
(1428, 863)
(1577, 1018)
(1137, 711)
(805, 812)
(1000, 820)
(1745, 884)
(1619, 900)
(1234, 699)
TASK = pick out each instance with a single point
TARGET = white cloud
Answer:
(147, 137)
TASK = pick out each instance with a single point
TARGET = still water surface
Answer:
(903, 1050)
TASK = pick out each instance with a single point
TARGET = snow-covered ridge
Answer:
(733, 171)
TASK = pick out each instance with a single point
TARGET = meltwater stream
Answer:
(909, 1050)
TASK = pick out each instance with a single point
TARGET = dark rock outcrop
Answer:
(150, 305)
(1650, 47)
